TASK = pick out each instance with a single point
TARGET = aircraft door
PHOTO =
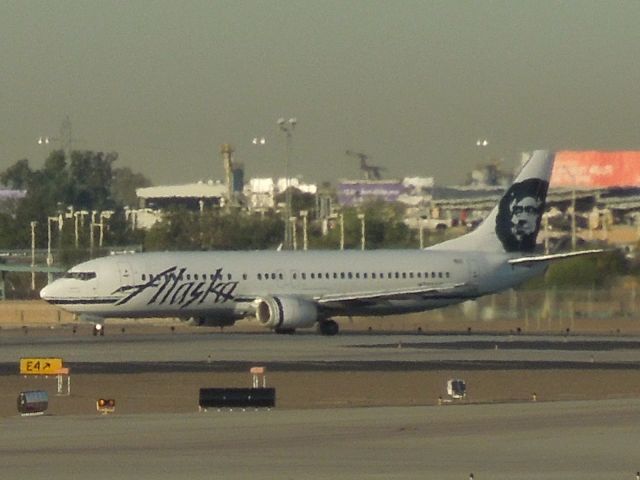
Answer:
(473, 271)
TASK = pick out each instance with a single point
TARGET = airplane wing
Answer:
(403, 293)
(524, 261)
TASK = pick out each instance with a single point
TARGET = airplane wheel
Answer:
(328, 328)
(285, 331)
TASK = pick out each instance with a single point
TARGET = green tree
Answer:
(18, 175)
(124, 183)
(86, 183)
(181, 229)
(90, 174)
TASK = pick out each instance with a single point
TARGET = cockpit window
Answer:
(81, 275)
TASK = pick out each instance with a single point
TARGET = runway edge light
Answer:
(106, 405)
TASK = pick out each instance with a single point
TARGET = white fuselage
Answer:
(225, 284)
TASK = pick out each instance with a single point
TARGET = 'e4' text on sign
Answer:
(40, 366)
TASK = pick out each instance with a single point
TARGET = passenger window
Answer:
(410, 274)
(350, 275)
(313, 275)
(373, 274)
(335, 275)
(404, 274)
(357, 274)
(259, 276)
(280, 276)
(295, 276)
(447, 274)
(364, 275)
(342, 275)
(229, 276)
(244, 276)
(439, 274)
(304, 276)
(144, 277)
(273, 276)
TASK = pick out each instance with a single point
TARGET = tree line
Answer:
(90, 181)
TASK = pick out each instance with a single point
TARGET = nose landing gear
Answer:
(98, 330)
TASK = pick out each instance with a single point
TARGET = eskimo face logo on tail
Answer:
(175, 287)
(519, 214)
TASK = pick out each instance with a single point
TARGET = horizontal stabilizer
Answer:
(548, 258)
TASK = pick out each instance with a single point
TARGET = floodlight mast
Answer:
(287, 126)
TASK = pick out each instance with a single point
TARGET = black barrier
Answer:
(237, 397)
(33, 402)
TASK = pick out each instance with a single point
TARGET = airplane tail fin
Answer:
(513, 225)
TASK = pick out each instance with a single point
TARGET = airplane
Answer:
(289, 290)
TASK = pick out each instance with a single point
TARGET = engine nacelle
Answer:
(283, 312)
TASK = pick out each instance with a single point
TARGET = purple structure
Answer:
(352, 193)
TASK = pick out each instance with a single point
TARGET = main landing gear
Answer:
(328, 328)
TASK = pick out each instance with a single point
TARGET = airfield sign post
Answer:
(46, 366)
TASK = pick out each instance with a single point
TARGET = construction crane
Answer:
(371, 172)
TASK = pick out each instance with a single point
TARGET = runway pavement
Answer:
(564, 441)
(312, 349)
(392, 430)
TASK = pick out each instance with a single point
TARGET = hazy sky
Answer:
(411, 83)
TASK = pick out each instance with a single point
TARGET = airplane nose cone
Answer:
(45, 293)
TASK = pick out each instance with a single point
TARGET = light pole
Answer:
(66, 138)
(341, 231)
(56, 218)
(305, 238)
(79, 218)
(105, 215)
(50, 220)
(33, 255)
(545, 223)
(91, 227)
(294, 233)
(362, 230)
(421, 227)
(573, 209)
(287, 126)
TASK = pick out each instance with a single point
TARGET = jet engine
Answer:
(286, 313)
